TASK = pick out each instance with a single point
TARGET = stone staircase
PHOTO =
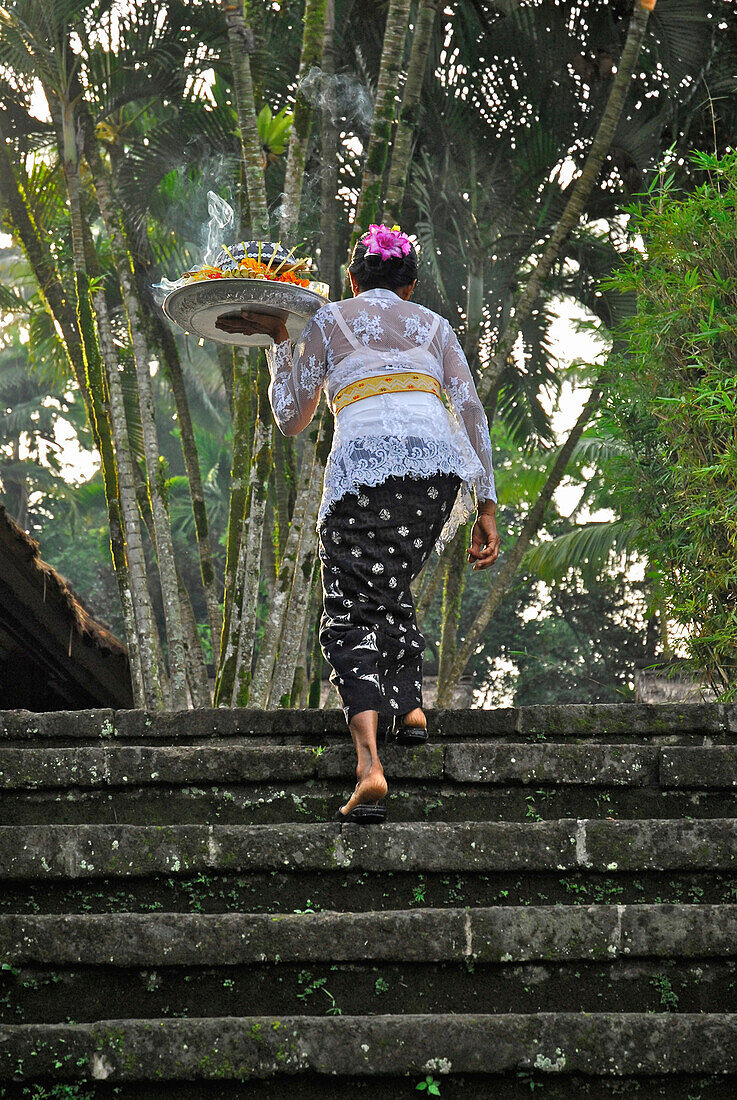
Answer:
(551, 907)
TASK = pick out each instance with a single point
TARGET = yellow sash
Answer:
(386, 383)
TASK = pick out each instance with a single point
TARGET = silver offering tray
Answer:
(196, 307)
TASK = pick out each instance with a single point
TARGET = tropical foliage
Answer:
(312, 119)
(676, 407)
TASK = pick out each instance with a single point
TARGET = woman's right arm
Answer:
(297, 379)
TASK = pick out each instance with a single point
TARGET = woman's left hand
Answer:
(251, 323)
(485, 542)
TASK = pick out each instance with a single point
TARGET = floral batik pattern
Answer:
(373, 544)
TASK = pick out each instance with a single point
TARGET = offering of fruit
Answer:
(255, 260)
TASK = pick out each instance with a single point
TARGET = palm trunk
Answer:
(197, 680)
(249, 562)
(531, 526)
(452, 596)
(579, 194)
(329, 272)
(301, 587)
(265, 665)
(315, 692)
(153, 698)
(300, 683)
(241, 46)
(159, 335)
(369, 199)
(281, 492)
(402, 144)
(312, 45)
(154, 473)
(239, 477)
(92, 386)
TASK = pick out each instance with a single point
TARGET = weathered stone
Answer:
(686, 931)
(549, 932)
(226, 722)
(684, 766)
(660, 845)
(232, 1048)
(26, 725)
(400, 762)
(502, 934)
(144, 765)
(601, 765)
(587, 720)
(181, 939)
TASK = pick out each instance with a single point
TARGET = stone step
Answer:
(317, 800)
(94, 851)
(244, 1048)
(361, 891)
(82, 852)
(616, 721)
(84, 994)
(597, 765)
(502, 934)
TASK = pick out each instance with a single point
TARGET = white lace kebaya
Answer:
(377, 437)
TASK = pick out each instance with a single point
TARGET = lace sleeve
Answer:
(297, 379)
(464, 400)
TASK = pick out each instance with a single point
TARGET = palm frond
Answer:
(588, 548)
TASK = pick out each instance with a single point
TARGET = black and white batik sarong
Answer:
(372, 545)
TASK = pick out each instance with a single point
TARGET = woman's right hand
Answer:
(485, 542)
(251, 323)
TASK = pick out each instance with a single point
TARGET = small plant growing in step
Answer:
(381, 986)
(668, 996)
(429, 1085)
(418, 894)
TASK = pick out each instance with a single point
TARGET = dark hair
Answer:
(370, 271)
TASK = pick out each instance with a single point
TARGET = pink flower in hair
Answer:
(385, 242)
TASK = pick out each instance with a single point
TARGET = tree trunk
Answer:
(249, 562)
(239, 478)
(241, 46)
(369, 199)
(311, 56)
(408, 112)
(92, 386)
(197, 679)
(154, 472)
(301, 587)
(455, 578)
(579, 194)
(265, 665)
(531, 526)
(329, 271)
(315, 692)
(146, 629)
(281, 492)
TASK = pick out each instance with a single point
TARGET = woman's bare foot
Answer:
(371, 784)
(371, 787)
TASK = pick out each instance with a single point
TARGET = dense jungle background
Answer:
(567, 169)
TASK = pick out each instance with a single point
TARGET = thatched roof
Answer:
(46, 629)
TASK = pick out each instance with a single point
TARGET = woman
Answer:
(392, 482)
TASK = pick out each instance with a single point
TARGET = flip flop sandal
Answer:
(363, 815)
(409, 735)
